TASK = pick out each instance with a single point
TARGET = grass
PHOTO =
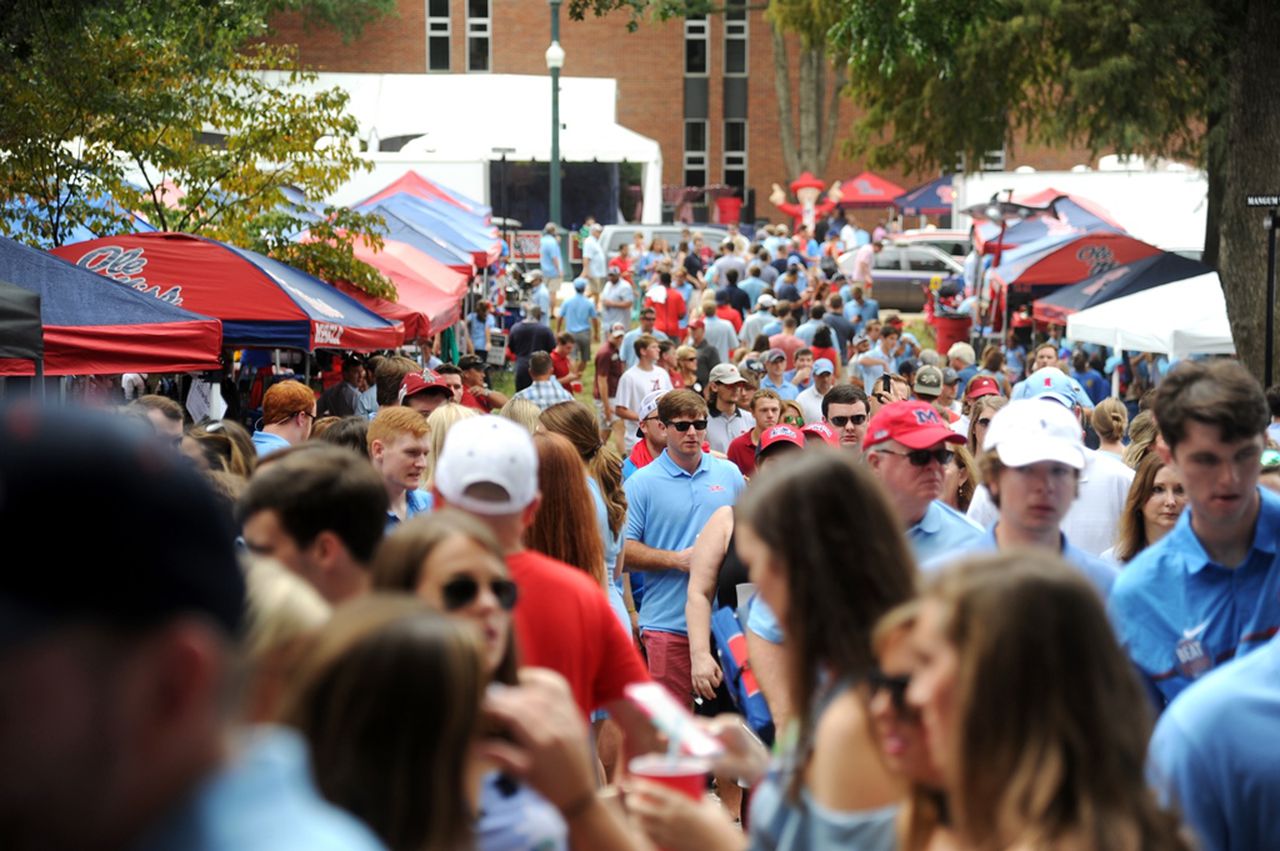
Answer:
(505, 383)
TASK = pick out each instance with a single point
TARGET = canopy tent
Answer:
(1062, 214)
(262, 303)
(1123, 280)
(428, 294)
(412, 183)
(437, 218)
(868, 190)
(13, 208)
(1181, 318)
(428, 123)
(934, 198)
(91, 327)
(426, 242)
(1067, 258)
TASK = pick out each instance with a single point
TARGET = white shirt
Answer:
(618, 291)
(810, 402)
(1094, 518)
(633, 386)
(593, 254)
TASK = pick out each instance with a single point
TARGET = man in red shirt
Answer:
(609, 368)
(787, 340)
(475, 394)
(766, 407)
(563, 620)
(565, 369)
(668, 304)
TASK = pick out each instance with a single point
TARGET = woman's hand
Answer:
(676, 822)
(745, 756)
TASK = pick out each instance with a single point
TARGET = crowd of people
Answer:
(915, 599)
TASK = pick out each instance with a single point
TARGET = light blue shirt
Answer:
(263, 800)
(578, 311)
(942, 531)
(1097, 571)
(266, 443)
(629, 356)
(479, 331)
(753, 287)
(1216, 753)
(763, 622)
(666, 509)
(786, 389)
(541, 296)
(612, 542)
(416, 502)
(1178, 614)
(808, 329)
(367, 403)
(516, 818)
(551, 263)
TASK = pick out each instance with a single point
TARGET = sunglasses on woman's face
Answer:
(461, 592)
(895, 686)
(922, 457)
(841, 422)
(683, 425)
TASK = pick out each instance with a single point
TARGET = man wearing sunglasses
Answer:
(908, 448)
(669, 502)
(844, 408)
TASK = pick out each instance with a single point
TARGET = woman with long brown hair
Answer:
(565, 525)
(1032, 712)
(1155, 502)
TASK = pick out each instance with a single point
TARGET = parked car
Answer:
(903, 271)
(953, 242)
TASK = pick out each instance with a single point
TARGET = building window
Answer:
(478, 35)
(695, 152)
(697, 46)
(992, 160)
(735, 154)
(735, 39)
(438, 34)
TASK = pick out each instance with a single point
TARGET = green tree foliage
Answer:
(177, 110)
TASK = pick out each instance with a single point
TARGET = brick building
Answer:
(702, 88)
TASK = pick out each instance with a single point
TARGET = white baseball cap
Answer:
(1028, 431)
(488, 450)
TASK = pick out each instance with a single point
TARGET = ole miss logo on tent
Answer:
(126, 265)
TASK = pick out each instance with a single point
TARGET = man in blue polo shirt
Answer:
(1032, 456)
(908, 447)
(1209, 590)
(669, 502)
(775, 364)
(579, 317)
(1216, 754)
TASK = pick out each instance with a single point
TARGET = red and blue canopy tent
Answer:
(934, 198)
(1048, 213)
(868, 190)
(1063, 259)
(450, 224)
(414, 184)
(262, 303)
(426, 242)
(89, 326)
(1154, 270)
(428, 294)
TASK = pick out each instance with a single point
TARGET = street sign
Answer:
(1262, 200)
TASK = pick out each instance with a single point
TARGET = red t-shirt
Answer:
(478, 403)
(730, 314)
(790, 344)
(830, 354)
(560, 365)
(563, 621)
(743, 453)
(610, 364)
(670, 312)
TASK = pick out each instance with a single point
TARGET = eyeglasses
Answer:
(684, 425)
(922, 457)
(682, 360)
(793, 420)
(307, 414)
(841, 422)
(879, 681)
(463, 591)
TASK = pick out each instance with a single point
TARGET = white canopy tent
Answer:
(1180, 318)
(455, 123)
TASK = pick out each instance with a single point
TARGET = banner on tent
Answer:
(526, 246)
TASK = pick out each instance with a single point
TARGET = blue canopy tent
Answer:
(421, 238)
(1124, 280)
(447, 222)
(934, 198)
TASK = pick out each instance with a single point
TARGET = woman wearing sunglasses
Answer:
(1032, 712)
(453, 562)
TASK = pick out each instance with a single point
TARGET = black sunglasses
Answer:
(896, 687)
(922, 457)
(684, 425)
(462, 591)
(840, 422)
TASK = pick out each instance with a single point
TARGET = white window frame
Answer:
(480, 28)
(697, 29)
(696, 159)
(736, 160)
(735, 29)
(438, 27)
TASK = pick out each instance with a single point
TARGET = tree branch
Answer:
(782, 91)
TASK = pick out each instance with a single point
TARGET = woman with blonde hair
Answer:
(1110, 421)
(221, 445)
(404, 766)
(438, 425)
(521, 411)
(1143, 432)
(1036, 750)
(959, 480)
(686, 366)
(984, 408)
(1155, 502)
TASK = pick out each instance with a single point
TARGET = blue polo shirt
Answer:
(666, 509)
(1216, 753)
(1097, 571)
(763, 622)
(416, 502)
(942, 531)
(578, 311)
(266, 443)
(785, 390)
(1178, 614)
(549, 259)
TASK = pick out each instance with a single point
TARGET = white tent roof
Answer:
(460, 118)
(1180, 318)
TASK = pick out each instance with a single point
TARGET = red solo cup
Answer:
(685, 774)
(576, 386)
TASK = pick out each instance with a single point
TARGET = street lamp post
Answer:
(555, 61)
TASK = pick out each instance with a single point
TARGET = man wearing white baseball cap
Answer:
(489, 469)
(1031, 460)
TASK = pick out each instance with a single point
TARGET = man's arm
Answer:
(704, 570)
(602, 390)
(643, 557)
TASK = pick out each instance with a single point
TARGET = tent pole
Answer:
(40, 377)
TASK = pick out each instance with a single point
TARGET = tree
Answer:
(807, 142)
(178, 111)
(1185, 79)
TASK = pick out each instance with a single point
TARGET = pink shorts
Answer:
(668, 656)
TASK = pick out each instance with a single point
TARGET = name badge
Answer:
(1192, 659)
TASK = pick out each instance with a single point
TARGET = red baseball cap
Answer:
(822, 431)
(697, 322)
(777, 435)
(916, 425)
(981, 385)
(420, 382)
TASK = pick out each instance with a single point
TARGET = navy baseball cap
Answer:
(151, 543)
